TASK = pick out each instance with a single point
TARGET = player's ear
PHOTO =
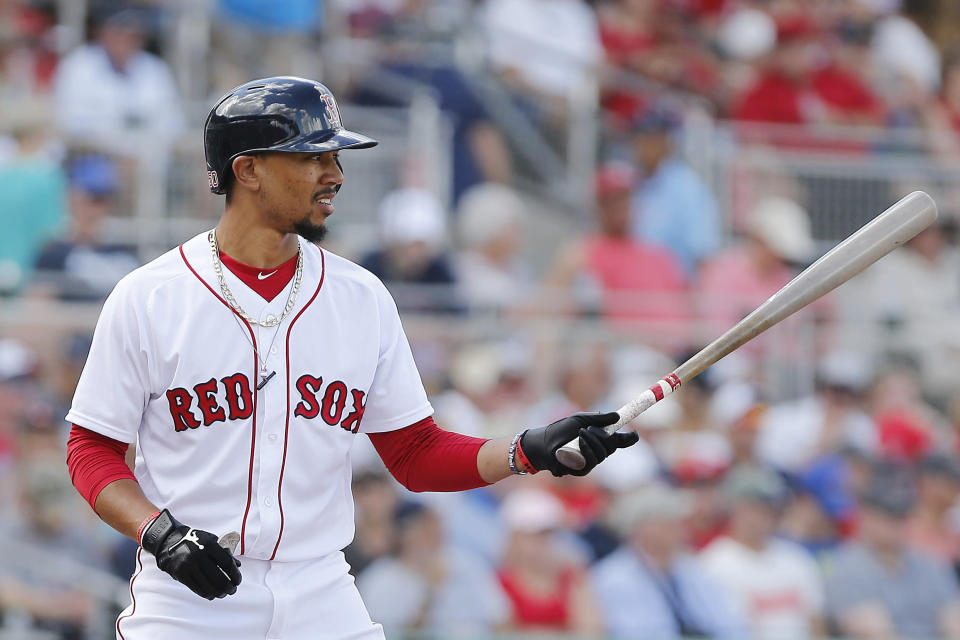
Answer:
(245, 173)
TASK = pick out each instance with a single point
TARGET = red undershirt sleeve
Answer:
(94, 461)
(424, 457)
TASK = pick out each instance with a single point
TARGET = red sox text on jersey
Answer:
(317, 400)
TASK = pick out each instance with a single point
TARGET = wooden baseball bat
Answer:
(877, 238)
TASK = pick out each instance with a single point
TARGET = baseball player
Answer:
(243, 364)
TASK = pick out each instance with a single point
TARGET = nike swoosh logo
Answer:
(261, 276)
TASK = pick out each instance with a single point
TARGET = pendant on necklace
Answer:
(266, 378)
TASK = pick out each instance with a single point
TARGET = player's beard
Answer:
(309, 231)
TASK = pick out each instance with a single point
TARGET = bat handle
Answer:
(570, 455)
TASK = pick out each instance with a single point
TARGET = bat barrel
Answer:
(892, 228)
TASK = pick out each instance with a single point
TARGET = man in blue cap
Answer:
(81, 266)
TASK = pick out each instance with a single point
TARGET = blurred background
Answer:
(570, 197)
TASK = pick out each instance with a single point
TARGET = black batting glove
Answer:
(192, 557)
(540, 445)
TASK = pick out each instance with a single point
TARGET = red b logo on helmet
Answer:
(330, 108)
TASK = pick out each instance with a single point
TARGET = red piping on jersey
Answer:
(253, 434)
(286, 426)
(132, 597)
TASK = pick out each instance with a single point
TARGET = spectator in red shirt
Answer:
(628, 39)
(840, 83)
(942, 116)
(796, 88)
(783, 93)
(547, 592)
(626, 31)
(631, 280)
(27, 59)
(908, 426)
(658, 40)
(950, 95)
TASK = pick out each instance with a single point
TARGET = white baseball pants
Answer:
(276, 601)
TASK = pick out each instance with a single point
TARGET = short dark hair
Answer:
(228, 181)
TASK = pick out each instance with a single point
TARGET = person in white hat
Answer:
(491, 267)
(776, 239)
(412, 258)
(775, 584)
(546, 588)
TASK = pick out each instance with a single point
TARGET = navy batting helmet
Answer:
(273, 114)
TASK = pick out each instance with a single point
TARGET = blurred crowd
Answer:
(808, 485)
(828, 514)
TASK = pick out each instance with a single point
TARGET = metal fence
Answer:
(843, 177)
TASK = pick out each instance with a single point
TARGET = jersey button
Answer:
(270, 318)
(272, 437)
(273, 350)
(268, 502)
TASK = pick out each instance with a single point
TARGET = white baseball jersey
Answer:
(173, 368)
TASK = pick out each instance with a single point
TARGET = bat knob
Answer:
(569, 456)
(229, 541)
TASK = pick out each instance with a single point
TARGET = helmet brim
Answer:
(320, 142)
(329, 141)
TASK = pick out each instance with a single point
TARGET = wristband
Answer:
(524, 461)
(158, 531)
(511, 452)
(143, 525)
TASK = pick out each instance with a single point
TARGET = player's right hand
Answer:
(540, 445)
(192, 557)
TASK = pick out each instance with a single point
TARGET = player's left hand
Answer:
(540, 445)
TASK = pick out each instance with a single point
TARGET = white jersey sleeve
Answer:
(114, 387)
(396, 398)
